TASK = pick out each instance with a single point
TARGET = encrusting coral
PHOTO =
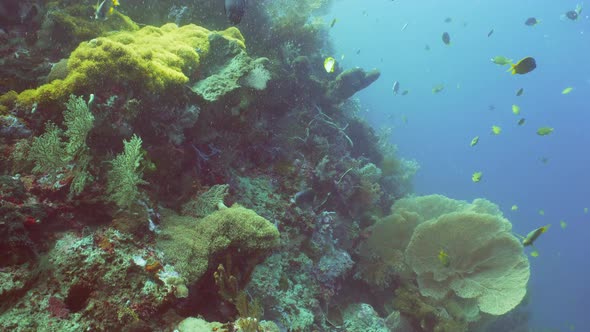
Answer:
(150, 60)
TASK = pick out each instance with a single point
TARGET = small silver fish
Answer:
(395, 87)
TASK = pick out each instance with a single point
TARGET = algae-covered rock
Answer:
(350, 82)
(230, 70)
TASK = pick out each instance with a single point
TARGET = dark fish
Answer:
(427, 47)
(395, 87)
(448, 20)
(526, 65)
(405, 92)
(572, 15)
(491, 32)
(358, 51)
(446, 38)
(333, 23)
(531, 21)
(521, 121)
(304, 197)
(491, 107)
(234, 10)
(519, 92)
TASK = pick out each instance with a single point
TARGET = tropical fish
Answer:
(514, 207)
(534, 253)
(515, 109)
(438, 88)
(525, 65)
(566, 90)
(586, 210)
(446, 38)
(534, 235)
(501, 60)
(405, 92)
(234, 10)
(531, 21)
(496, 130)
(448, 20)
(333, 23)
(491, 32)
(358, 51)
(521, 121)
(544, 131)
(105, 8)
(395, 87)
(563, 224)
(542, 212)
(444, 258)
(519, 92)
(474, 141)
(329, 64)
(476, 177)
(574, 14)
(427, 47)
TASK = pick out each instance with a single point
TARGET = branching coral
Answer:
(125, 175)
(51, 155)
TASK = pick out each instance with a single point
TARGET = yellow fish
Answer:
(534, 235)
(566, 90)
(476, 177)
(444, 259)
(544, 131)
(563, 224)
(474, 141)
(438, 88)
(496, 130)
(515, 109)
(534, 253)
(501, 60)
(329, 64)
(514, 207)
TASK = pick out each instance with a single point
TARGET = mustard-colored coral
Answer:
(192, 244)
(150, 60)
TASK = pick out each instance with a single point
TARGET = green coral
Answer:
(48, 151)
(51, 155)
(150, 60)
(71, 24)
(125, 175)
(191, 244)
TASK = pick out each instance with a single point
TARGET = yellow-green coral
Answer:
(74, 23)
(150, 60)
(190, 244)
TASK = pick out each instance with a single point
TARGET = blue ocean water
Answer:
(549, 173)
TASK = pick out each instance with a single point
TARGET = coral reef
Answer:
(169, 177)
